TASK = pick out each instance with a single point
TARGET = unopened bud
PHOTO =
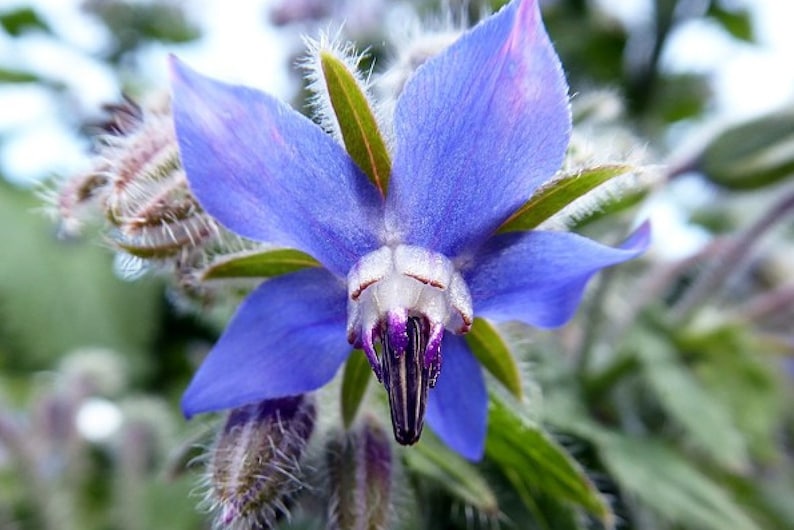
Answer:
(360, 474)
(138, 184)
(255, 464)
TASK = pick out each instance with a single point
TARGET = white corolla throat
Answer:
(400, 301)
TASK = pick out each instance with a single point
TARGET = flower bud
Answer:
(138, 184)
(255, 464)
(360, 474)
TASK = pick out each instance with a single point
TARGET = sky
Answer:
(33, 116)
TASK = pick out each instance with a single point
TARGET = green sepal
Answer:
(752, 155)
(355, 380)
(434, 461)
(360, 132)
(553, 197)
(259, 264)
(490, 349)
(610, 207)
(533, 462)
(155, 252)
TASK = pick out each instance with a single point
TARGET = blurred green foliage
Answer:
(17, 21)
(56, 297)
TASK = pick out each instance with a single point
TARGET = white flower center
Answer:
(400, 301)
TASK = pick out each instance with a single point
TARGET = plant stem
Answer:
(726, 261)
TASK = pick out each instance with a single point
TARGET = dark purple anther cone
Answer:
(407, 378)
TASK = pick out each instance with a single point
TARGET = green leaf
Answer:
(17, 76)
(766, 499)
(357, 123)
(738, 23)
(354, 385)
(134, 24)
(548, 513)
(555, 196)
(433, 460)
(18, 21)
(664, 481)
(490, 349)
(729, 366)
(752, 155)
(259, 264)
(705, 420)
(534, 462)
(680, 96)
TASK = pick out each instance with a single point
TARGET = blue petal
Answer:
(477, 129)
(539, 277)
(269, 174)
(457, 408)
(288, 337)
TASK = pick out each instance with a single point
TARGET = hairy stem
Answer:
(727, 261)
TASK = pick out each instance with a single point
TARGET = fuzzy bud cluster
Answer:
(137, 183)
(255, 464)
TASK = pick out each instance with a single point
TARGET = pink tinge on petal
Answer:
(477, 129)
(268, 173)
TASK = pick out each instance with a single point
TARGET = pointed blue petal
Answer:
(539, 277)
(477, 129)
(270, 174)
(288, 337)
(457, 408)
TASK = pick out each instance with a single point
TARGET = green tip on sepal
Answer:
(355, 380)
(258, 264)
(356, 120)
(490, 349)
(552, 198)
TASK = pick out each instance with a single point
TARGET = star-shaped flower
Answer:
(477, 130)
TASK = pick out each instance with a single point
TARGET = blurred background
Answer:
(94, 351)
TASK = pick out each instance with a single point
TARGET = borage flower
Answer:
(405, 269)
